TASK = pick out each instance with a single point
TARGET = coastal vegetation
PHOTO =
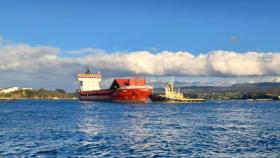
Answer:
(38, 94)
(235, 95)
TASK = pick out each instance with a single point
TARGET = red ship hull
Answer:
(121, 90)
(127, 95)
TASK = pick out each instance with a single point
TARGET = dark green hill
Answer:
(257, 87)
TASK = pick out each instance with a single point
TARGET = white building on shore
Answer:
(9, 90)
(12, 89)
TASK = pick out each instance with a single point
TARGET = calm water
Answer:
(76, 129)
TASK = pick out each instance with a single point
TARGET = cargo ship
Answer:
(126, 90)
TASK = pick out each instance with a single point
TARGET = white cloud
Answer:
(215, 63)
(43, 63)
(85, 51)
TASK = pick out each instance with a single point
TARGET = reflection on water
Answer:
(89, 123)
(87, 129)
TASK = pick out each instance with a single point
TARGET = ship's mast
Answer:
(137, 70)
(172, 84)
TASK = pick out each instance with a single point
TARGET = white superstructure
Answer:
(89, 82)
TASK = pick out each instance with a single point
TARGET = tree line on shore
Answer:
(38, 94)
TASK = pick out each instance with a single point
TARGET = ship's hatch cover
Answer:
(117, 83)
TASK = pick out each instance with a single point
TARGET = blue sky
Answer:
(205, 42)
(197, 26)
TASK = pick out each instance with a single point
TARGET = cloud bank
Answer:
(25, 62)
(214, 63)
(27, 59)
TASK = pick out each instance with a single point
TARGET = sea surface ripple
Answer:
(69, 128)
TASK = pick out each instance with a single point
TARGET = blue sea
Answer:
(69, 128)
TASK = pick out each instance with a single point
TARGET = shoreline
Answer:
(38, 99)
(248, 100)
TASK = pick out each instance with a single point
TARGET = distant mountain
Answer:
(267, 90)
(266, 87)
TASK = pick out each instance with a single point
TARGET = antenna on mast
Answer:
(172, 83)
(88, 70)
(137, 70)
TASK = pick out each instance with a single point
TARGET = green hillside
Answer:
(38, 94)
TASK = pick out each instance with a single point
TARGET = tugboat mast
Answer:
(172, 84)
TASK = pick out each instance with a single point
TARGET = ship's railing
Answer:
(135, 86)
(89, 75)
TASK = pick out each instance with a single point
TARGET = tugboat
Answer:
(172, 96)
(126, 90)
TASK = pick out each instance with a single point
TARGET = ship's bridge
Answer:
(89, 81)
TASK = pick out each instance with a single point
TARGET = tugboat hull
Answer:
(162, 98)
